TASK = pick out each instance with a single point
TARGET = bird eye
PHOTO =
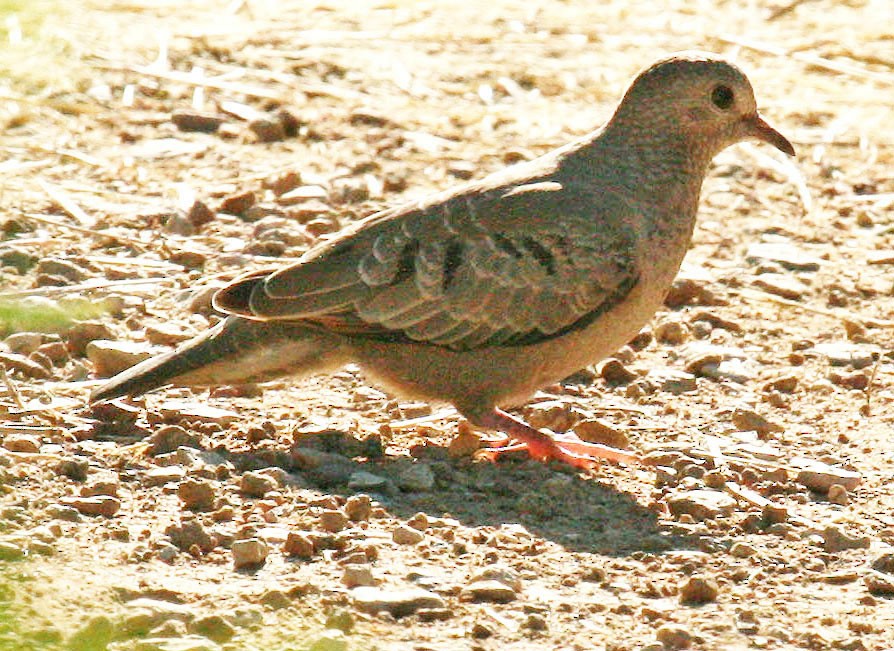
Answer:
(722, 96)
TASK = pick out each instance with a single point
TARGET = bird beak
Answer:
(757, 127)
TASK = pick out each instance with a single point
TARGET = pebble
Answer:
(161, 475)
(701, 504)
(249, 552)
(333, 520)
(21, 443)
(301, 194)
(361, 480)
(197, 411)
(748, 420)
(169, 438)
(185, 643)
(144, 614)
(501, 573)
(879, 583)
(742, 550)
(256, 484)
(786, 254)
(214, 627)
(73, 467)
(673, 381)
(674, 636)
(404, 535)
(614, 372)
(190, 532)
(846, 353)
(329, 640)
(112, 357)
(63, 512)
(24, 365)
(488, 590)
(358, 575)
(189, 120)
(884, 563)
(781, 285)
(10, 551)
(838, 494)
(820, 477)
(24, 343)
(836, 540)
(237, 204)
(672, 330)
(416, 477)
(166, 334)
(358, 507)
(398, 603)
(197, 494)
(100, 505)
(594, 430)
(299, 544)
(699, 589)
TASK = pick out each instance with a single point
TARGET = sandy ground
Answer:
(763, 392)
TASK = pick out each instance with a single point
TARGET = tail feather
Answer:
(235, 351)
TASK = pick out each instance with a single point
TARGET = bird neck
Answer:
(657, 176)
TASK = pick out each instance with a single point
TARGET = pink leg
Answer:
(566, 448)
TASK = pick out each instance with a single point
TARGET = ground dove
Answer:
(484, 293)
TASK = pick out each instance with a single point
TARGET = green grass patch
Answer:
(47, 316)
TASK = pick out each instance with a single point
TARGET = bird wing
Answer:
(511, 264)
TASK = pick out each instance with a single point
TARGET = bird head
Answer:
(699, 100)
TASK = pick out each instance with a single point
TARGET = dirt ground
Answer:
(151, 150)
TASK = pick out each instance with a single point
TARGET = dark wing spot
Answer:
(543, 256)
(406, 264)
(453, 257)
(505, 244)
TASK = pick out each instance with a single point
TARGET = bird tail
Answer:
(235, 351)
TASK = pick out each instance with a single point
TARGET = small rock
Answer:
(237, 204)
(184, 643)
(362, 480)
(820, 477)
(671, 330)
(303, 193)
(699, 590)
(329, 640)
(878, 583)
(358, 507)
(742, 550)
(615, 373)
(111, 357)
(81, 334)
(166, 334)
(10, 551)
(416, 477)
(490, 591)
(159, 476)
(836, 540)
(404, 535)
(25, 366)
(701, 504)
(197, 494)
(256, 484)
(748, 420)
(197, 411)
(299, 544)
(593, 430)
(188, 120)
(63, 512)
(169, 438)
(268, 129)
(358, 575)
(333, 520)
(783, 384)
(24, 343)
(21, 443)
(249, 552)
(674, 636)
(189, 533)
(214, 627)
(846, 353)
(74, 468)
(781, 285)
(200, 214)
(101, 486)
(673, 381)
(419, 522)
(785, 253)
(100, 505)
(398, 603)
(884, 563)
(838, 494)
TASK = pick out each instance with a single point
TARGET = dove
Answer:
(482, 294)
